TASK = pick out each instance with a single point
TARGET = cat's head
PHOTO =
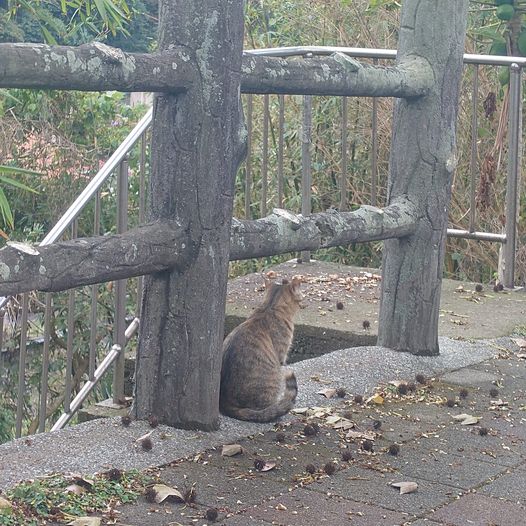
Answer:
(288, 292)
(293, 288)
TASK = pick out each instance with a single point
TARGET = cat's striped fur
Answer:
(254, 384)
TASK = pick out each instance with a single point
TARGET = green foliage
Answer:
(56, 132)
(505, 12)
(5, 208)
(498, 48)
(58, 497)
(74, 22)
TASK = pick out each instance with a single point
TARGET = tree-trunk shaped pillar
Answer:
(422, 163)
(197, 145)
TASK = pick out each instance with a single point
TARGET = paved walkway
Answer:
(473, 474)
(466, 474)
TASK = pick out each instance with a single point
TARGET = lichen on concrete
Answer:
(5, 271)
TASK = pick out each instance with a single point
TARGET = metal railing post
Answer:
(264, 160)
(42, 413)
(22, 366)
(120, 287)
(343, 175)
(514, 163)
(94, 300)
(473, 160)
(142, 212)
(306, 170)
(281, 127)
(248, 162)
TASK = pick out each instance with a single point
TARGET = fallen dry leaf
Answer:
(521, 342)
(332, 419)
(470, 421)
(86, 521)
(405, 487)
(231, 450)
(327, 393)
(316, 378)
(375, 399)
(498, 402)
(300, 411)
(5, 504)
(358, 434)
(281, 507)
(268, 466)
(320, 412)
(462, 416)
(467, 420)
(75, 489)
(162, 492)
(344, 424)
(147, 435)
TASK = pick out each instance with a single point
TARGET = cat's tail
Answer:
(272, 412)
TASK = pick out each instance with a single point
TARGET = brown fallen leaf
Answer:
(332, 419)
(231, 450)
(162, 492)
(327, 393)
(360, 435)
(85, 521)
(375, 399)
(75, 489)
(405, 487)
(344, 424)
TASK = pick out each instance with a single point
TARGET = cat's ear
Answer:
(269, 278)
(296, 282)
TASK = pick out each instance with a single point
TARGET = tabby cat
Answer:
(254, 385)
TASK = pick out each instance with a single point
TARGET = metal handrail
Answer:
(94, 185)
(92, 188)
(291, 51)
(114, 353)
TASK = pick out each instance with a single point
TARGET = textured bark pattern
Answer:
(283, 232)
(93, 67)
(421, 166)
(69, 264)
(100, 67)
(166, 246)
(197, 144)
(337, 74)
